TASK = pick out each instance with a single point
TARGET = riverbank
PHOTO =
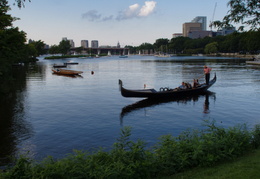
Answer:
(172, 155)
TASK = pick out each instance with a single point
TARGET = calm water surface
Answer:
(52, 115)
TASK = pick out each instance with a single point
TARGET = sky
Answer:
(129, 22)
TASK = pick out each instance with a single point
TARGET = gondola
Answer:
(165, 92)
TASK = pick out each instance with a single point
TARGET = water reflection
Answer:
(69, 76)
(13, 127)
(152, 102)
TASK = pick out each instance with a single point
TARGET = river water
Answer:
(53, 115)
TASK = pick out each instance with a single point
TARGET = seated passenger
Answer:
(183, 86)
(195, 83)
(188, 85)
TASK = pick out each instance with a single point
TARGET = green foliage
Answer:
(161, 44)
(39, 47)
(245, 12)
(5, 19)
(211, 48)
(233, 43)
(54, 49)
(12, 44)
(20, 3)
(64, 47)
(129, 159)
(65, 56)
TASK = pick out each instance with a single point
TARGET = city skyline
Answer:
(128, 22)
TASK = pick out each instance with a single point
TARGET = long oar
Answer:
(200, 77)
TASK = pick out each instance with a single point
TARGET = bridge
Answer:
(101, 50)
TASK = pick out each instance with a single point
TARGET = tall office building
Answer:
(84, 43)
(189, 27)
(94, 44)
(72, 44)
(202, 20)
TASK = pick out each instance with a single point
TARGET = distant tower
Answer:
(72, 44)
(202, 20)
(94, 44)
(118, 45)
(84, 43)
(189, 27)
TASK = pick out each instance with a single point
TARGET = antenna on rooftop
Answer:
(212, 20)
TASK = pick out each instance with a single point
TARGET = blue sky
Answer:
(131, 22)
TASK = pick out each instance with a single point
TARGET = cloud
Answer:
(92, 15)
(147, 9)
(133, 11)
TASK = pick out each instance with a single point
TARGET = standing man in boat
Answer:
(207, 74)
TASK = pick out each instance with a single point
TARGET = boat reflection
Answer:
(152, 102)
(70, 76)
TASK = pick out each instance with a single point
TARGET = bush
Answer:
(129, 159)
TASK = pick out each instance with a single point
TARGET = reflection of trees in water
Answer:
(151, 102)
(13, 127)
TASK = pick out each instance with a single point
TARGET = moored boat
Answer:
(66, 72)
(123, 56)
(59, 66)
(165, 92)
(71, 63)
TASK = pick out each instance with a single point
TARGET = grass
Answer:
(245, 167)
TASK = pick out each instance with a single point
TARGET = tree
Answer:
(39, 46)
(5, 19)
(54, 49)
(12, 44)
(178, 44)
(211, 48)
(244, 12)
(161, 42)
(20, 3)
(64, 47)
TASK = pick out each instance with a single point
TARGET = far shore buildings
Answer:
(197, 28)
(84, 43)
(72, 44)
(94, 44)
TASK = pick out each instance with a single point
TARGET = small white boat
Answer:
(123, 56)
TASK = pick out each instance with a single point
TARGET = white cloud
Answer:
(147, 9)
(133, 11)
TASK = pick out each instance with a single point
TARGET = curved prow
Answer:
(120, 84)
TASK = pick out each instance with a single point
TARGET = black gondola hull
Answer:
(169, 93)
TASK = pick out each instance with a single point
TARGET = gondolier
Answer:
(207, 74)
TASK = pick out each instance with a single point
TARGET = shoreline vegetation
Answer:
(199, 153)
(67, 56)
(235, 55)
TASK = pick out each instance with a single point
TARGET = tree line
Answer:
(13, 46)
(237, 42)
